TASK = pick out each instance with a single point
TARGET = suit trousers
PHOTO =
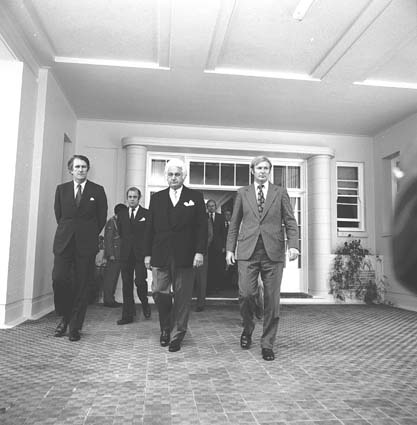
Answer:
(137, 268)
(180, 279)
(271, 275)
(71, 275)
(111, 277)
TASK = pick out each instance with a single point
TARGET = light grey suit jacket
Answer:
(246, 224)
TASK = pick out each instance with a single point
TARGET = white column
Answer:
(135, 165)
(319, 224)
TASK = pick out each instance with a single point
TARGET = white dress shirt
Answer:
(175, 195)
(76, 187)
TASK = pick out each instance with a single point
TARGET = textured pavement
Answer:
(336, 364)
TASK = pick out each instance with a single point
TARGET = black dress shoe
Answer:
(164, 339)
(146, 310)
(124, 321)
(268, 354)
(112, 305)
(74, 336)
(174, 345)
(245, 341)
(61, 328)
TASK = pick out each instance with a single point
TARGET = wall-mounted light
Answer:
(301, 10)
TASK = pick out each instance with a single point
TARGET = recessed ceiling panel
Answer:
(263, 35)
(402, 66)
(104, 29)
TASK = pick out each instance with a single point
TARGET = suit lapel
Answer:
(250, 194)
(271, 195)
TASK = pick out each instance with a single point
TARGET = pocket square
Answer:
(92, 199)
(190, 203)
(142, 219)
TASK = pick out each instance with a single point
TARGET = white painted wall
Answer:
(402, 138)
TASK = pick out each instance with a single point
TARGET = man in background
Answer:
(81, 212)
(132, 222)
(112, 257)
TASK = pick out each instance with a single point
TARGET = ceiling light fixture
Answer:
(301, 10)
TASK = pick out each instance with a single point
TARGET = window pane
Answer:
(242, 174)
(352, 224)
(294, 177)
(228, 174)
(347, 211)
(212, 173)
(348, 185)
(347, 192)
(197, 172)
(347, 200)
(347, 173)
(279, 175)
(157, 172)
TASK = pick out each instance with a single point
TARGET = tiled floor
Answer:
(336, 364)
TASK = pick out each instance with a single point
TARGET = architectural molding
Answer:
(301, 151)
(164, 34)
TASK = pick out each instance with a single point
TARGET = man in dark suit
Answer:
(132, 223)
(112, 258)
(216, 254)
(175, 242)
(260, 212)
(81, 212)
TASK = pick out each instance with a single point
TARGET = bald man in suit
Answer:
(260, 211)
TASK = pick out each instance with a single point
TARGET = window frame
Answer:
(361, 198)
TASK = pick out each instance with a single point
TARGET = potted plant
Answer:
(353, 276)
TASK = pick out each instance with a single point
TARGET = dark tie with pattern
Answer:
(261, 199)
(78, 196)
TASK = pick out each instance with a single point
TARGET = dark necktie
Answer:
(261, 199)
(78, 196)
(132, 215)
(212, 217)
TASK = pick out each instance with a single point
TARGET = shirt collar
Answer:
(82, 185)
(266, 184)
(179, 190)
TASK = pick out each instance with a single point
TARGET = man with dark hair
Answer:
(216, 266)
(112, 257)
(132, 223)
(175, 242)
(81, 211)
(260, 212)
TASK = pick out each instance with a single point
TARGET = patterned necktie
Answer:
(261, 199)
(78, 196)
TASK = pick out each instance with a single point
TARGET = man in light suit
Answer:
(260, 211)
(81, 212)
(175, 243)
(132, 222)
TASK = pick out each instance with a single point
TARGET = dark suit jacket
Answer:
(218, 232)
(112, 239)
(132, 234)
(277, 211)
(85, 222)
(182, 236)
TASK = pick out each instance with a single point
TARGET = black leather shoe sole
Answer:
(268, 354)
(124, 321)
(245, 341)
(175, 345)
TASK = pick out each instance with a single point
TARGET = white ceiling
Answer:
(348, 67)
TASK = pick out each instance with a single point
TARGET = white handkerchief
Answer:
(92, 199)
(190, 203)
(142, 219)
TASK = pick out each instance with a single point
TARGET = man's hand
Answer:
(230, 258)
(198, 260)
(147, 261)
(112, 258)
(293, 254)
